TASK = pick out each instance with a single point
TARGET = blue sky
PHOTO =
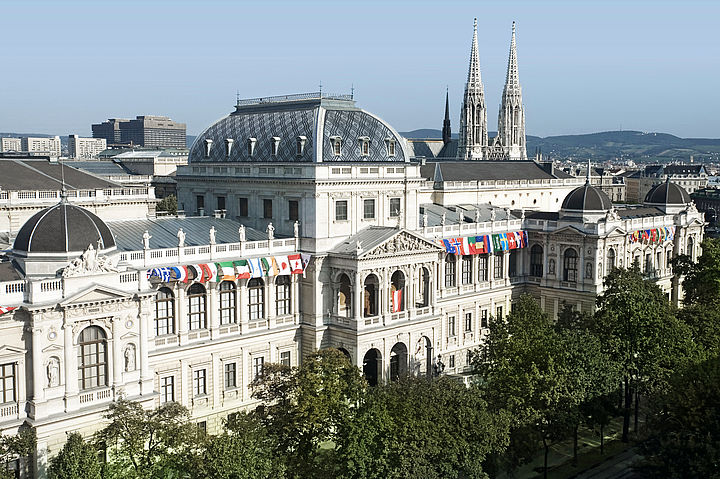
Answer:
(584, 66)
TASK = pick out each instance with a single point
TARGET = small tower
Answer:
(473, 138)
(511, 118)
(446, 132)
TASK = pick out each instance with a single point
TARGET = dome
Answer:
(587, 198)
(667, 194)
(63, 228)
(299, 128)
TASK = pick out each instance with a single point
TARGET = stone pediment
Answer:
(95, 294)
(10, 352)
(51, 348)
(403, 242)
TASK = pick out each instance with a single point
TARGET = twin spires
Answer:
(473, 136)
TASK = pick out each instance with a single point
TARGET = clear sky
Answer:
(585, 66)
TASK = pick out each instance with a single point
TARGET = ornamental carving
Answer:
(399, 244)
(90, 262)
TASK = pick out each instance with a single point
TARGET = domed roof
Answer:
(667, 194)
(63, 228)
(298, 128)
(587, 198)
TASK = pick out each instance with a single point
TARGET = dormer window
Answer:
(300, 145)
(274, 145)
(390, 144)
(251, 146)
(336, 142)
(364, 145)
(208, 145)
(228, 146)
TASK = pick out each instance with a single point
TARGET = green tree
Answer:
(76, 460)
(417, 427)
(168, 204)
(701, 282)
(158, 443)
(15, 446)
(685, 427)
(304, 406)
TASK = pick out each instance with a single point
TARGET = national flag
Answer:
(225, 271)
(181, 273)
(511, 240)
(397, 300)
(457, 244)
(163, 274)
(521, 239)
(449, 247)
(465, 245)
(296, 266)
(211, 271)
(671, 232)
(497, 246)
(198, 272)
(7, 309)
(269, 266)
(283, 265)
(479, 244)
(654, 233)
(305, 257)
(242, 268)
(504, 245)
(256, 270)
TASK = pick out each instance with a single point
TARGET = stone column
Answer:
(38, 367)
(181, 320)
(213, 312)
(358, 298)
(117, 354)
(295, 298)
(270, 299)
(243, 305)
(146, 375)
(70, 360)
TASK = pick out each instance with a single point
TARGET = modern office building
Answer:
(83, 148)
(10, 144)
(50, 146)
(109, 131)
(146, 130)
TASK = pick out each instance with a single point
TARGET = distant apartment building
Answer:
(612, 185)
(85, 147)
(47, 146)
(690, 177)
(147, 130)
(10, 144)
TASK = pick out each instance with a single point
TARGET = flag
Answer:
(283, 265)
(397, 300)
(496, 243)
(269, 266)
(295, 264)
(465, 245)
(225, 271)
(305, 257)
(211, 271)
(457, 245)
(7, 309)
(181, 273)
(198, 272)
(671, 232)
(449, 247)
(504, 245)
(654, 233)
(242, 268)
(511, 241)
(255, 268)
(521, 239)
(479, 244)
(161, 273)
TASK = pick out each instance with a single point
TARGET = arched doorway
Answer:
(346, 353)
(398, 361)
(370, 303)
(423, 298)
(397, 292)
(344, 306)
(424, 345)
(372, 362)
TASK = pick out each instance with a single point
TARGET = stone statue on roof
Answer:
(181, 238)
(442, 219)
(492, 214)
(425, 220)
(477, 215)
(212, 235)
(241, 233)
(146, 240)
(270, 231)
(296, 229)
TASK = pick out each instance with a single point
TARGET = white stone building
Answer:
(42, 145)
(84, 148)
(10, 144)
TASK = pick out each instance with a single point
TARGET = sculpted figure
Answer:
(181, 238)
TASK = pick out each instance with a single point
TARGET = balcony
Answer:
(96, 396)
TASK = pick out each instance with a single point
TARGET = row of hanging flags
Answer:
(6, 309)
(485, 243)
(653, 235)
(232, 270)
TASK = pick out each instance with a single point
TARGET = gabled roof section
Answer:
(381, 240)
(488, 170)
(95, 294)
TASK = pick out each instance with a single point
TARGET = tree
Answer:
(12, 447)
(149, 443)
(243, 451)
(418, 427)
(701, 282)
(168, 204)
(304, 406)
(685, 426)
(76, 460)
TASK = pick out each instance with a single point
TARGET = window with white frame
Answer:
(251, 142)
(466, 269)
(256, 299)
(468, 322)
(285, 358)
(394, 207)
(230, 375)
(364, 145)
(274, 145)
(282, 295)
(7, 383)
(199, 382)
(390, 144)
(369, 209)
(451, 326)
(197, 303)
(258, 366)
(341, 210)
(336, 143)
(227, 303)
(164, 312)
(300, 145)
(167, 389)
(484, 318)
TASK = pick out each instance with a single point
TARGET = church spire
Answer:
(446, 132)
(511, 117)
(473, 117)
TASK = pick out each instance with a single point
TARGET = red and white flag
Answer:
(397, 300)
(6, 309)
(296, 264)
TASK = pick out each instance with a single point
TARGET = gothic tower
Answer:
(473, 136)
(511, 118)
(446, 132)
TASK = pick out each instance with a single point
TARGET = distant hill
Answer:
(608, 145)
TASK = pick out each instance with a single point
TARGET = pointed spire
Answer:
(472, 135)
(587, 179)
(512, 79)
(474, 68)
(446, 131)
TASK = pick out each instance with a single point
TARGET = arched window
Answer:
(570, 260)
(690, 247)
(228, 298)
(397, 291)
(610, 259)
(164, 312)
(256, 299)
(588, 270)
(536, 261)
(370, 300)
(197, 306)
(344, 305)
(282, 295)
(450, 270)
(423, 290)
(466, 276)
(92, 358)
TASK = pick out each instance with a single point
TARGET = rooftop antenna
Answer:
(63, 189)
(237, 97)
(588, 173)
(352, 91)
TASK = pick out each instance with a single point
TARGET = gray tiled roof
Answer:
(488, 170)
(100, 168)
(31, 174)
(434, 213)
(370, 237)
(638, 212)
(128, 234)
(8, 273)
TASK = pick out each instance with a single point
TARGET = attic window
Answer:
(390, 144)
(251, 146)
(228, 146)
(336, 142)
(274, 144)
(208, 145)
(300, 145)
(364, 145)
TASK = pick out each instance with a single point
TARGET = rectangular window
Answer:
(451, 325)
(468, 321)
(202, 425)
(498, 267)
(256, 302)
(394, 207)
(483, 267)
(499, 314)
(341, 210)
(167, 389)
(243, 209)
(450, 271)
(466, 271)
(369, 209)
(200, 201)
(267, 209)
(285, 358)
(484, 318)
(199, 382)
(7, 382)
(221, 202)
(648, 263)
(451, 362)
(258, 366)
(230, 375)
(293, 210)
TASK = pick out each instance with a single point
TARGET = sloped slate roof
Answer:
(434, 213)
(370, 237)
(667, 193)
(587, 198)
(16, 175)
(638, 212)
(488, 170)
(8, 272)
